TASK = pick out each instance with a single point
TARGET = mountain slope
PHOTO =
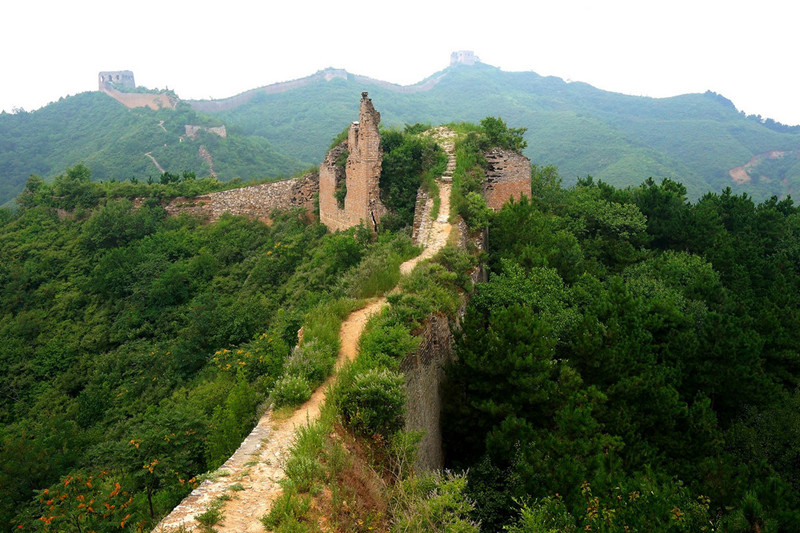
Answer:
(695, 138)
(114, 141)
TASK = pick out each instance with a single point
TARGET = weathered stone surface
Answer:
(257, 201)
(225, 104)
(424, 373)
(463, 57)
(118, 78)
(192, 130)
(422, 216)
(132, 100)
(362, 175)
(110, 82)
(508, 175)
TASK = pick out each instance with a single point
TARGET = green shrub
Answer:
(287, 512)
(373, 403)
(499, 134)
(432, 503)
(312, 361)
(304, 471)
(291, 390)
(384, 336)
(323, 322)
(210, 517)
(475, 212)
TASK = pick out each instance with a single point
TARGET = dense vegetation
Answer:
(410, 160)
(620, 139)
(352, 470)
(112, 141)
(697, 138)
(631, 364)
(137, 347)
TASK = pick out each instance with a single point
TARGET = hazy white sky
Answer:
(747, 51)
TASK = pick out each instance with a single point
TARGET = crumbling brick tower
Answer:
(361, 175)
(508, 175)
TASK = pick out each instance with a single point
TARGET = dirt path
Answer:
(258, 465)
(436, 234)
(160, 169)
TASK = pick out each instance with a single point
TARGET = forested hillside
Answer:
(695, 138)
(113, 141)
(137, 348)
(632, 364)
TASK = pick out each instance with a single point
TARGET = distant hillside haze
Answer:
(700, 140)
(118, 143)
(697, 139)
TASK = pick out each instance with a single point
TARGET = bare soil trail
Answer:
(258, 465)
(153, 159)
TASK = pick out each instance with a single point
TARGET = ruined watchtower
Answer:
(357, 179)
(117, 78)
(463, 57)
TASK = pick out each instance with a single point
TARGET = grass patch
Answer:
(379, 270)
(289, 513)
(212, 516)
(437, 205)
(213, 475)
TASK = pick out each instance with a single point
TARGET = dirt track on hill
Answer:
(258, 465)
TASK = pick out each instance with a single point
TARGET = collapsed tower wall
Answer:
(508, 175)
(360, 175)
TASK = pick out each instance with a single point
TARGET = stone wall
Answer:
(362, 175)
(257, 201)
(226, 104)
(110, 82)
(119, 78)
(132, 100)
(463, 57)
(331, 176)
(192, 130)
(422, 216)
(424, 373)
(508, 175)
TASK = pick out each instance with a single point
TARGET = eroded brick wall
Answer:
(362, 175)
(424, 373)
(257, 201)
(133, 100)
(331, 175)
(192, 130)
(508, 175)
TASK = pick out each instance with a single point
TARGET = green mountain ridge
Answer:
(694, 138)
(697, 139)
(113, 141)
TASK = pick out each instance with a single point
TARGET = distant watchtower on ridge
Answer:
(463, 57)
(117, 78)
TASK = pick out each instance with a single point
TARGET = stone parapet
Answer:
(508, 175)
(422, 217)
(257, 201)
(424, 373)
(192, 130)
(362, 172)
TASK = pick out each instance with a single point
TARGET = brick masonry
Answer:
(424, 373)
(508, 175)
(192, 130)
(362, 175)
(257, 201)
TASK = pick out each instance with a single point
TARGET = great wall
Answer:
(119, 84)
(258, 465)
